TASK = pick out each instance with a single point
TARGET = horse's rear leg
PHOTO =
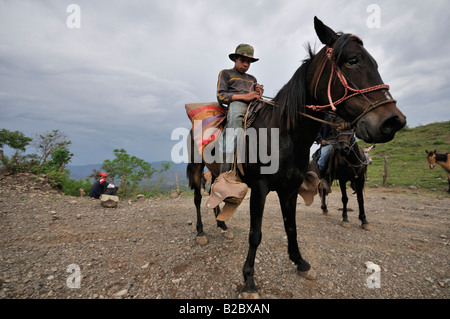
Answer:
(226, 232)
(201, 238)
(323, 195)
(360, 196)
(344, 198)
(195, 175)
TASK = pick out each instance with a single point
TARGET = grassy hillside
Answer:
(408, 162)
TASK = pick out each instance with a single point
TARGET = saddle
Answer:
(208, 120)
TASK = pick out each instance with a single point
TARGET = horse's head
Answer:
(345, 139)
(347, 80)
(431, 158)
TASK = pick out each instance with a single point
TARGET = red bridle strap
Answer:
(348, 90)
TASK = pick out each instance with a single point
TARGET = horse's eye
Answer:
(353, 61)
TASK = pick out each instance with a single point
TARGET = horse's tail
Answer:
(190, 169)
(194, 174)
(190, 173)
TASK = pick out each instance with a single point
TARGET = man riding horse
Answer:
(235, 90)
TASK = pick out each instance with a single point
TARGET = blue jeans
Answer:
(235, 117)
(324, 156)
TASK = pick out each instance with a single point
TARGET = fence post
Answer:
(178, 185)
(386, 159)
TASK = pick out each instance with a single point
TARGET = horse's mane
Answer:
(441, 157)
(290, 100)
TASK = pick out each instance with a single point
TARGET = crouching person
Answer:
(111, 189)
(99, 187)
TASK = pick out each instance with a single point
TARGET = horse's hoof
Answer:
(309, 274)
(228, 234)
(325, 213)
(366, 227)
(345, 224)
(249, 295)
(201, 240)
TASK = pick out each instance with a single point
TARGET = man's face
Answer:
(242, 64)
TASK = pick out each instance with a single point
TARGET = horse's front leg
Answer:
(288, 204)
(344, 198)
(257, 202)
(360, 196)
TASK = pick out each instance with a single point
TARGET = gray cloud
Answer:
(122, 79)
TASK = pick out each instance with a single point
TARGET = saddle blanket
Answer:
(208, 120)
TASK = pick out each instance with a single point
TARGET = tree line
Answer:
(131, 174)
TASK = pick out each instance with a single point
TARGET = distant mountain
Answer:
(78, 172)
(171, 175)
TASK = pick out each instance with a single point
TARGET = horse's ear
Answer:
(426, 152)
(326, 35)
(434, 151)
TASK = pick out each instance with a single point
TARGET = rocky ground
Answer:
(147, 249)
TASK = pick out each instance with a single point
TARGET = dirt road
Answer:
(55, 246)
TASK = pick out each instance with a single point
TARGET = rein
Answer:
(345, 125)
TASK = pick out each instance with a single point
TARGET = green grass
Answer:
(407, 159)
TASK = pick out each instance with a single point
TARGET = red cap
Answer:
(102, 174)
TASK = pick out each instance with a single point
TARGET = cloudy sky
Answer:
(122, 78)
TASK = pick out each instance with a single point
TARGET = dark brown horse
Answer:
(347, 163)
(342, 75)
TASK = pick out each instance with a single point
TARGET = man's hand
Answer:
(254, 95)
(246, 97)
(250, 96)
(260, 89)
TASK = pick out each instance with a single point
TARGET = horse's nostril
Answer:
(392, 124)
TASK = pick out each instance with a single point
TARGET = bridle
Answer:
(349, 92)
